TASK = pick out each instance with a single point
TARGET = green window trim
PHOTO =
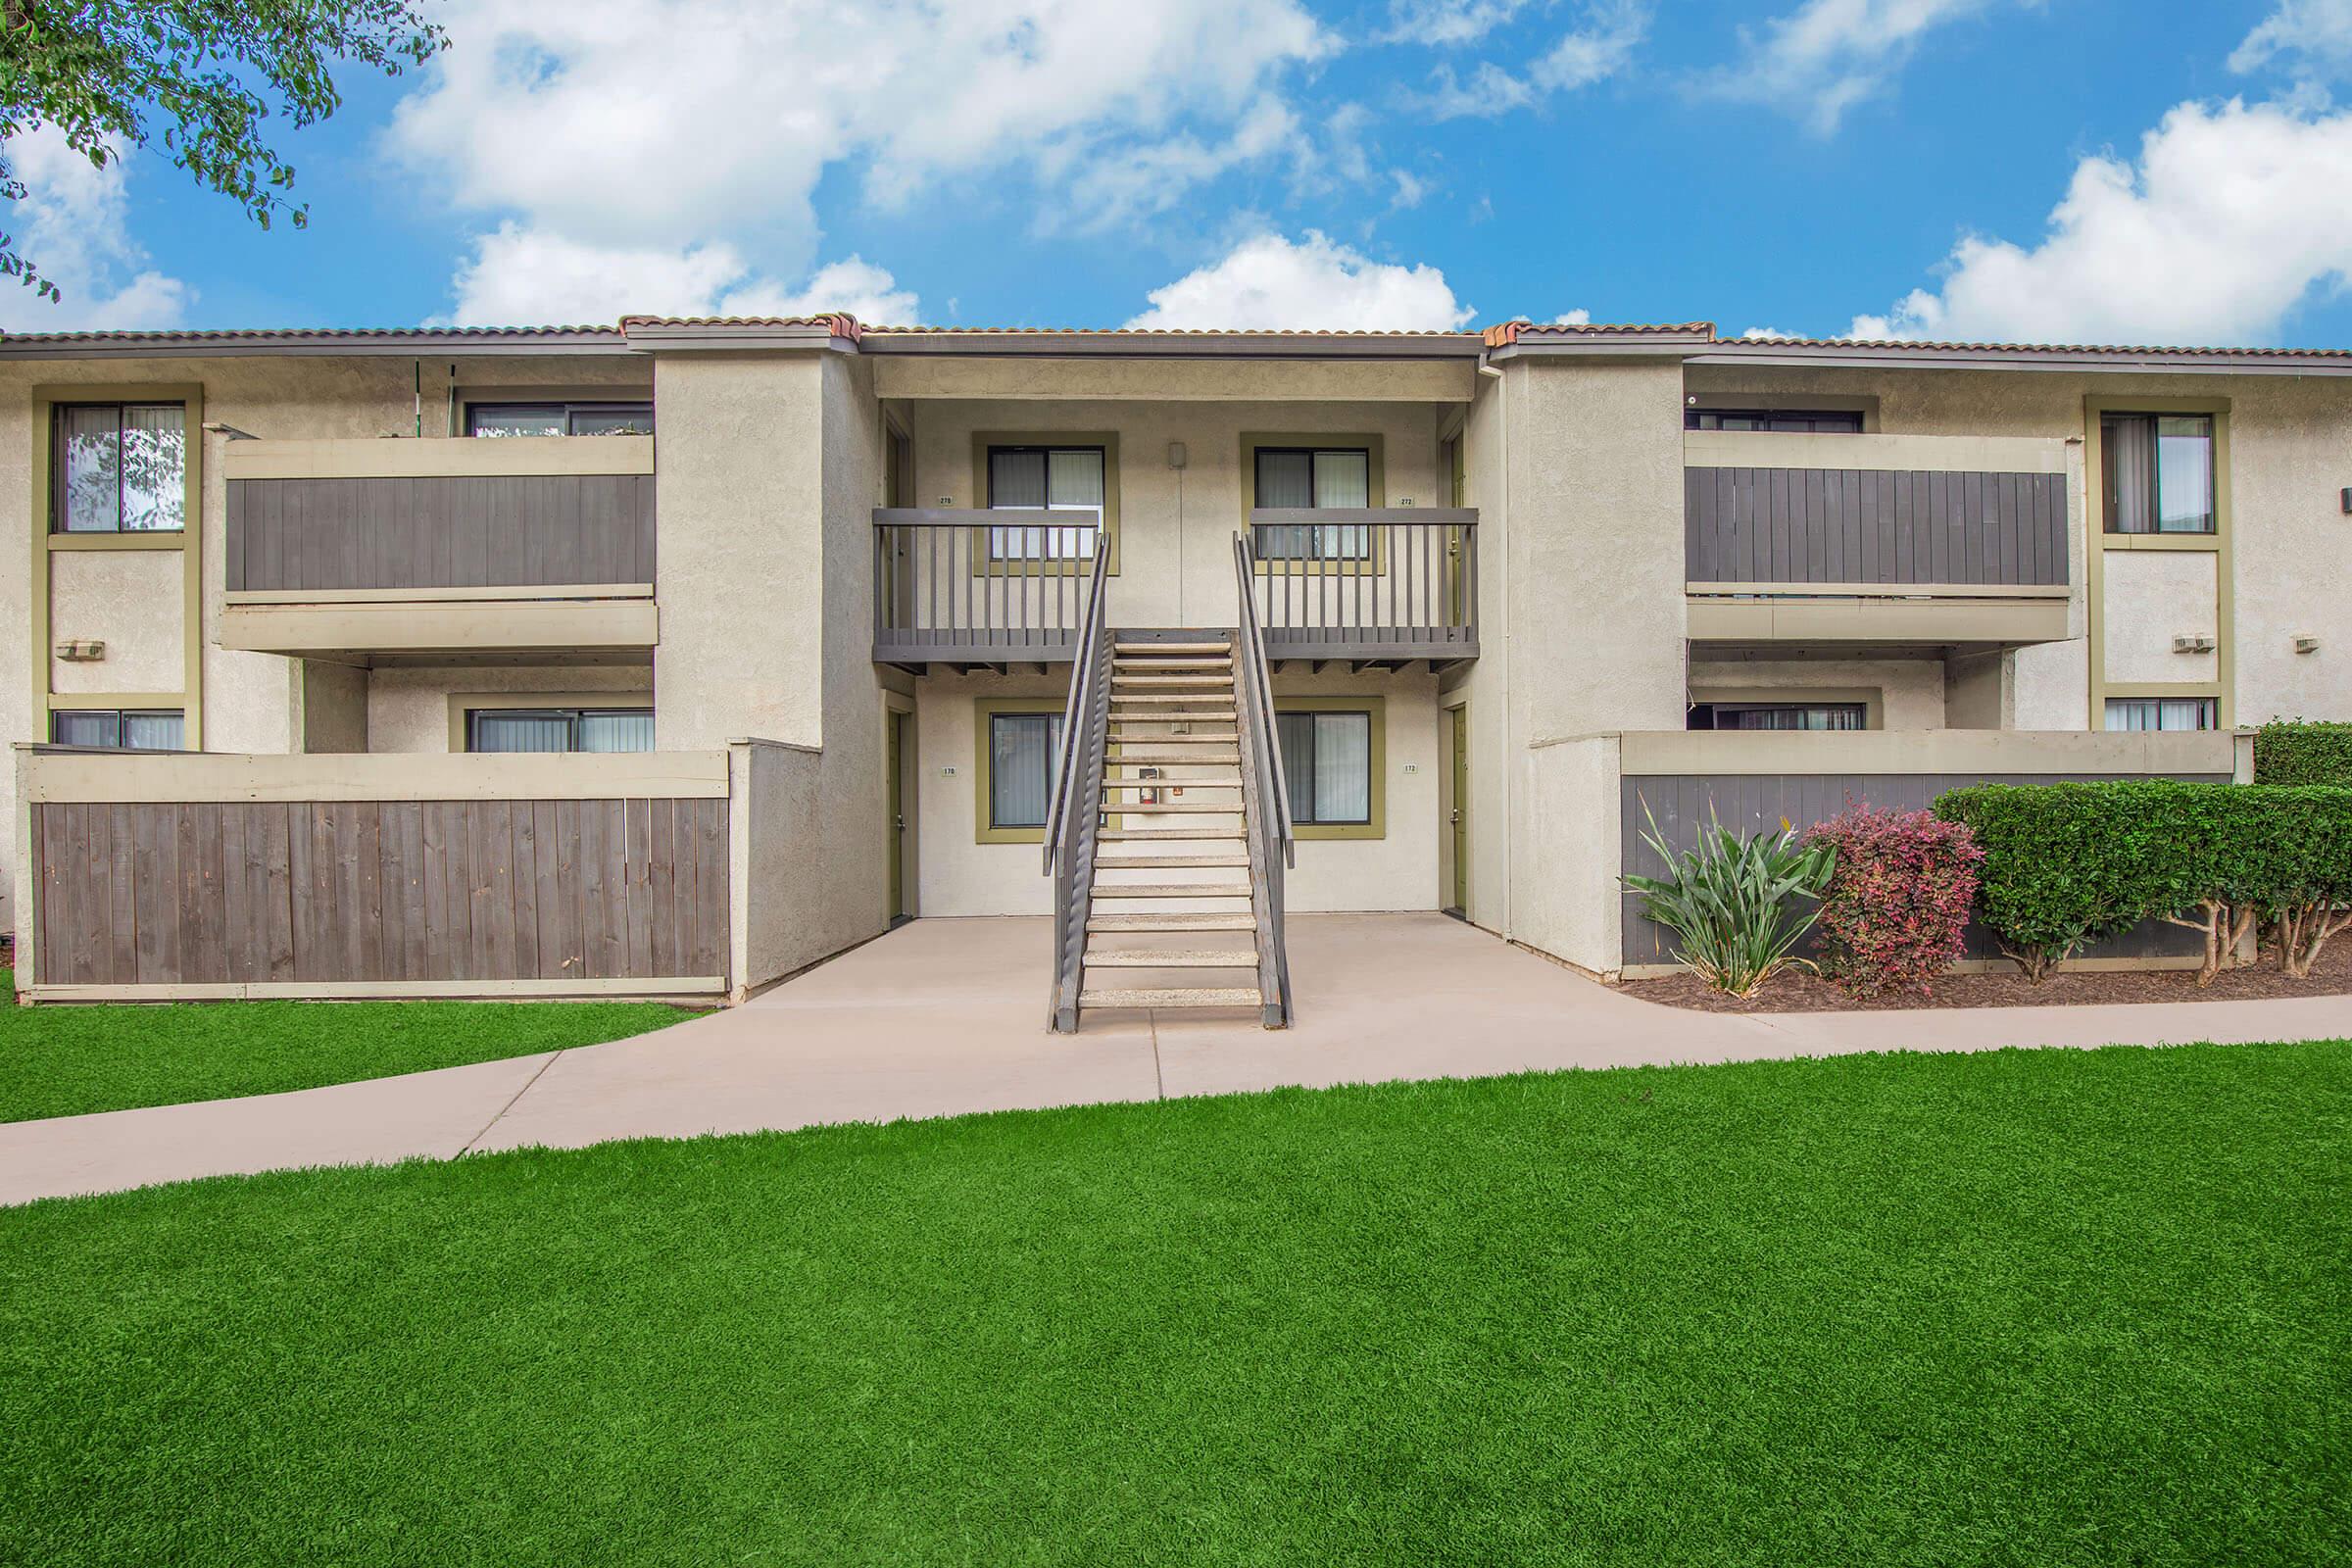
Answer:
(985, 711)
(1377, 763)
(985, 441)
(1375, 450)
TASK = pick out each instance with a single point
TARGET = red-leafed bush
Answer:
(1896, 906)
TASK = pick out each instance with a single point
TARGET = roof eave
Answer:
(192, 346)
(1144, 345)
(2104, 362)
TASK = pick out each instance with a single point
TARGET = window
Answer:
(155, 729)
(121, 467)
(1810, 422)
(2158, 471)
(1313, 476)
(1021, 751)
(1327, 765)
(1044, 479)
(1777, 716)
(2163, 713)
(559, 419)
(560, 729)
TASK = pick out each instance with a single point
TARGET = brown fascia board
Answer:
(389, 342)
(1175, 345)
(2026, 357)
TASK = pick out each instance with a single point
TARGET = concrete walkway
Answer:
(946, 1016)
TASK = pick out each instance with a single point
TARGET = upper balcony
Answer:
(441, 546)
(1366, 585)
(1890, 541)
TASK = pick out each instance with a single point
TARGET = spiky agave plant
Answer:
(1733, 900)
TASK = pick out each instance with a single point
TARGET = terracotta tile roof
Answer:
(840, 322)
(1929, 346)
(1506, 333)
(304, 335)
(1162, 331)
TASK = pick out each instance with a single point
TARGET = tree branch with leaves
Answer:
(199, 77)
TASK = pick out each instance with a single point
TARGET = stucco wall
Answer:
(1567, 901)
(249, 699)
(1909, 692)
(407, 706)
(2152, 596)
(131, 600)
(960, 877)
(2292, 546)
(1176, 527)
(332, 702)
(739, 489)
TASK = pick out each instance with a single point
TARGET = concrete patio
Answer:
(948, 1016)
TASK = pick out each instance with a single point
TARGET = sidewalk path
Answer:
(947, 1016)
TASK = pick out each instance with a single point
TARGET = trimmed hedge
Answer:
(2296, 751)
(2070, 864)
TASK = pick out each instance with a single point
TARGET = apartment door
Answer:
(896, 771)
(1457, 745)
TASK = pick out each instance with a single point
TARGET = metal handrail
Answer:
(1253, 670)
(1082, 679)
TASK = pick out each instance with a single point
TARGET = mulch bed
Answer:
(1800, 992)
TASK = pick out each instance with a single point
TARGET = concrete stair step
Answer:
(1171, 889)
(1119, 678)
(1170, 784)
(1127, 663)
(1134, 754)
(1169, 649)
(1171, 958)
(1204, 996)
(1162, 835)
(1224, 731)
(1167, 699)
(1153, 862)
(1133, 807)
(1171, 922)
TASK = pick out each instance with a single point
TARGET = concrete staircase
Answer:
(1177, 915)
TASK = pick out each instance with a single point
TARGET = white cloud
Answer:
(1600, 47)
(519, 276)
(2218, 232)
(73, 225)
(1754, 333)
(1828, 55)
(1445, 23)
(1576, 318)
(2314, 35)
(1313, 285)
(661, 129)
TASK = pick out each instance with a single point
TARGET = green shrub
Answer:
(2295, 752)
(2069, 864)
(1733, 900)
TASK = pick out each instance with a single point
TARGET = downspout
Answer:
(1503, 446)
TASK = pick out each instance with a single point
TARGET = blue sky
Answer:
(2069, 170)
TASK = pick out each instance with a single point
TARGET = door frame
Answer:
(1456, 748)
(899, 843)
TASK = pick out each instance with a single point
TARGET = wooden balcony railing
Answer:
(978, 586)
(1366, 582)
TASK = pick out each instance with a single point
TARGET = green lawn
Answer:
(65, 1060)
(2023, 1308)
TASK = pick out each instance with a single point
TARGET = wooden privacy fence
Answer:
(378, 875)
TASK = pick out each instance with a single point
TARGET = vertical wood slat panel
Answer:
(201, 893)
(1874, 526)
(330, 534)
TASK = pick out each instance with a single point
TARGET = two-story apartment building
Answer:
(674, 657)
